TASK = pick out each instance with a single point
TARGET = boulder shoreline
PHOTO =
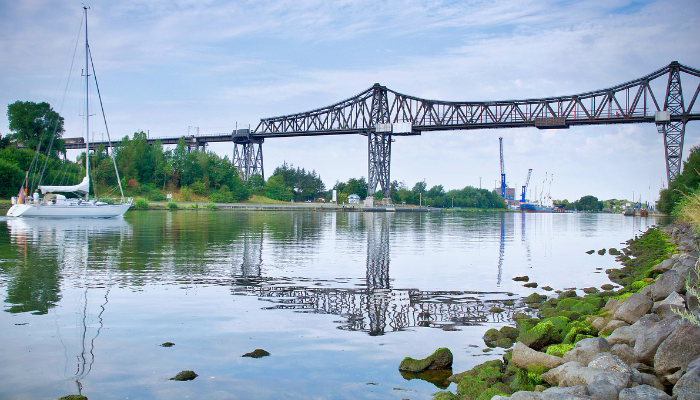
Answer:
(626, 344)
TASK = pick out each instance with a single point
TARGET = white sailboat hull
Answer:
(69, 210)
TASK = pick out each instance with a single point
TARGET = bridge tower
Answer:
(673, 130)
(379, 143)
(247, 154)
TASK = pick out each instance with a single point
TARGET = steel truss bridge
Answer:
(666, 97)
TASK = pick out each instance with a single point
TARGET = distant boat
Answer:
(535, 208)
(629, 212)
(57, 205)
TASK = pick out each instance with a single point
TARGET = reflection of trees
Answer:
(47, 250)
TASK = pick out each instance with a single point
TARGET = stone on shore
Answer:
(645, 392)
(257, 353)
(678, 350)
(688, 387)
(650, 336)
(440, 359)
(524, 356)
(634, 308)
(667, 283)
(184, 376)
(587, 349)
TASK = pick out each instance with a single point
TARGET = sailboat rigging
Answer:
(57, 205)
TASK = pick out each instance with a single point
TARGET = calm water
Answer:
(338, 299)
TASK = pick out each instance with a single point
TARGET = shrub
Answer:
(212, 206)
(141, 203)
(199, 188)
(172, 205)
(185, 194)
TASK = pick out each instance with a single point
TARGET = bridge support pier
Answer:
(379, 144)
(673, 129)
(248, 157)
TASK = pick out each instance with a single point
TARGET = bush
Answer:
(140, 203)
(185, 194)
(172, 205)
(199, 188)
(222, 195)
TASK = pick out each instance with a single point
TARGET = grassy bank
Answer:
(561, 322)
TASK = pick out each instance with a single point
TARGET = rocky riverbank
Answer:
(607, 345)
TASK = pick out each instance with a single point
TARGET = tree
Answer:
(685, 183)
(276, 189)
(589, 203)
(36, 126)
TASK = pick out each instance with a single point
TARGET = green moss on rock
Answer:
(257, 353)
(184, 376)
(559, 349)
(73, 397)
(440, 359)
(540, 335)
(471, 387)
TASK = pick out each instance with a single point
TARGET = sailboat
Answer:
(56, 205)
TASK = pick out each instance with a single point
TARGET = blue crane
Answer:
(503, 173)
(527, 182)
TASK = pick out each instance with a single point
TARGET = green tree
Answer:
(256, 184)
(36, 126)
(685, 183)
(276, 189)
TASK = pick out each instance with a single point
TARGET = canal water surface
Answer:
(337, 299)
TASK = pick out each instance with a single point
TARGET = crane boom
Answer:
(527, 182)
(503, 173)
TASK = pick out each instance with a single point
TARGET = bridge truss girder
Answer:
(636, 101)
(248, 158)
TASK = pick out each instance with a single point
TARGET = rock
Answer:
(590, 252)
(547, 288)
(590, 290)
(184, 376)
(587, 349)
(645, 392)
(612, 325)
(609, 362)
(555, 375)
(531, 285)
(496, 310)
(539, 396)
(602, 252)
(524, 356)
(578, 390)
(167, 344)
(600, 322)
(624, 335)
(522, 278)
(440, 359)
(688, 387)
(607, 286)
(624, 352)
(651, 380)
(674, 377)
(540, 335)
(602, 384)
(650, 337)
(679, 349)
(634, 307)
(257, 353)
(667, 283)
(663, 266)
(666, 307)
(73, 397)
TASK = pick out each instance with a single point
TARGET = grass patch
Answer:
(257, 199)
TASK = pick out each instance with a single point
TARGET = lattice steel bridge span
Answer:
(666, 97)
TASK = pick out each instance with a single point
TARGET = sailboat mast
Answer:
(87, 107)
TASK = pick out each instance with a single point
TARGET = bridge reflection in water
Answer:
(376, 307)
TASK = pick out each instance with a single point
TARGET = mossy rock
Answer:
(574, 305)
(496, 310)
(601, 252)
(440, 359)
(471, 387)
(520, 315)
(490, 392)
(559, 322)
(492, 335)
(475, 371)
(522, 278)
(577, 328)
(531, 285)
(257, 353)
(567, 293)
(445, 396)
(607, 287)
(590, 252)
(535, 298)
(509, 332)
(73, 397)
(490, 375)
(524, 325)
(540, 335)
(503, 342)
(590, 290)
(184, 376)
(547, 288)
(613, 251)
(167, 344)
(559, 349)
(637, 286)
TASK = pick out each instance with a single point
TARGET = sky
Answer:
(178, 67)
